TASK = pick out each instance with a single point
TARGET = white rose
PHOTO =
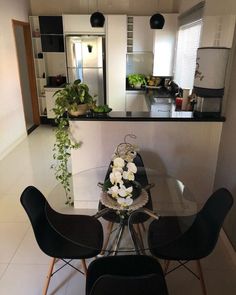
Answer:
(119, 162)
(124, 192)
(132, 167)
(115, 177)
(128, 175)
(113, 191)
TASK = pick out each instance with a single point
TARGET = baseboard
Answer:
(12, 146)
(228, 245)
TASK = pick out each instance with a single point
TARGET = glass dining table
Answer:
(126, 229)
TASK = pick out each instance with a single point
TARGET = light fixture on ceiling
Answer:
(97, 19)
(157, 21)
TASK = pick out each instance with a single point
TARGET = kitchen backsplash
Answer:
(139, 62)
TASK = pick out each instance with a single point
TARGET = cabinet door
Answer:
(116, 44)
(135, 102)
(50, 24)
(79, 24)
(52, 43)
(164, 47)
(142, 34)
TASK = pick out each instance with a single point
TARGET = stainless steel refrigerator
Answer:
(86, 61)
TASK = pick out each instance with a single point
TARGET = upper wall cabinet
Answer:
(51, 25)
(164, 46)
(218, 31)
(74, 24)
(116, 45)
(142, 34)
(51, 30)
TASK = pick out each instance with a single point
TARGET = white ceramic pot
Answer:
(81, 110)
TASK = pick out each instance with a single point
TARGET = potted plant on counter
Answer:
(69, 100)
(137, 80)
(74, 98)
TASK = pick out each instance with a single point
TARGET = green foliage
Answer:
(61, 155)
(135, 79)
(102, 109)
(66, 100)
(72, 95)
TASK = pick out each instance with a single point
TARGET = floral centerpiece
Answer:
(121, 185)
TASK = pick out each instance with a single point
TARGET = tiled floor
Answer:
(23, 266)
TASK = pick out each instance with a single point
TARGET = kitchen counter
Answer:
(147, 116)
(187, 149)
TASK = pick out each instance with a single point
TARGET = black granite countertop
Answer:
(53, 86)
(129, 88)
(181, 116)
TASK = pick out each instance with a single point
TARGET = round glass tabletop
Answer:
(163, 202)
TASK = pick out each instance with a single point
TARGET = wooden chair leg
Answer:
(108, 234)
(166, 266)
(143, 227)
(203, 285)
(50, 270)
(140, 235)
(84, 266)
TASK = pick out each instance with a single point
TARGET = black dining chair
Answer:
(126, 275)
(198, 241)
(112, 217)
(61, 236)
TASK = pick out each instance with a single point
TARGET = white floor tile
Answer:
(11, 210)
(3, 267)
(29, 252)
(11, 234)
(23, 266)
(30, 279)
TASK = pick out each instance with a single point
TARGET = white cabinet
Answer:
(218, 31)
(142, 34)
(50, 101)
(136, 102)
(164, 46)
(116, 45)
(73, 23)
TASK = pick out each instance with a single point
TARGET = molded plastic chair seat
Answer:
(126, 275)
(84, 234)
(199, 240)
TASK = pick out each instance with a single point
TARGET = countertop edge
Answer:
(146, 117)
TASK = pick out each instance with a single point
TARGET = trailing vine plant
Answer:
(62, 152)
(67, 99)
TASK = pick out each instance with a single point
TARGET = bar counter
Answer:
(147, 116)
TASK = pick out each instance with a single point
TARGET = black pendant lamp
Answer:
(157, 21)
(97, 19)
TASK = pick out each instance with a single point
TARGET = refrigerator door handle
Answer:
(74, 53)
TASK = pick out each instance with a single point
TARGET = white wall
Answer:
(132, 7)
(12, 122)
(226, 166)
(185, 150)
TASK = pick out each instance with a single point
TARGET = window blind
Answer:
(187, 45)
(193, 14)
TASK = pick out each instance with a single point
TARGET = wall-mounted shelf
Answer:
(130, 29)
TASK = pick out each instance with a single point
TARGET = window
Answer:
(187, 45)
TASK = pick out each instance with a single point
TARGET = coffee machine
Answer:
(209, 81)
